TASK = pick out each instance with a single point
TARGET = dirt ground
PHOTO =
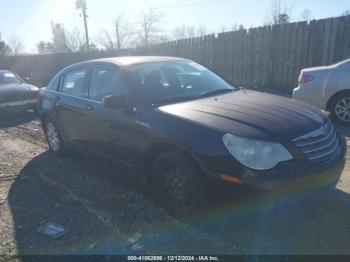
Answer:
(106, 212)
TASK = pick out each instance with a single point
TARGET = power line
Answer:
(171, 6)
(197, 4)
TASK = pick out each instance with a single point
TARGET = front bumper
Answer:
(299, 175)
(287, 176)
(21, 104)
(309, 181)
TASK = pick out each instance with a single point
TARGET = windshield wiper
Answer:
(171, 100)
(216, 92)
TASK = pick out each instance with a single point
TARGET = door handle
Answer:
(55, 100)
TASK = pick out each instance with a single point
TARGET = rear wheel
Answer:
(340, 108)
(178, 184)
(53, 137)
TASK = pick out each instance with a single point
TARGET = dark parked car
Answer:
(182, 127)
(15, 94)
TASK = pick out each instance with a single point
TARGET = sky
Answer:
(30, 19)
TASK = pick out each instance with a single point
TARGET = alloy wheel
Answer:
(179, 189)
(342, 109)
(53, 137)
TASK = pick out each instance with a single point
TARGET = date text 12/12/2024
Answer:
(173, 258)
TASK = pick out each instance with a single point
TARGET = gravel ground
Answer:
(105, 212)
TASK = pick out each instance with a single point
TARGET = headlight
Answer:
(256, 154)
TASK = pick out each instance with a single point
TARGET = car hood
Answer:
(13, 92)
(251, 114)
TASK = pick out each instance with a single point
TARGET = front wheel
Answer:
(178, 184)
(53, 137)
(340, 108)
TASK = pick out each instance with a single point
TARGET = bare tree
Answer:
(74, 41)
(345, 13)
(234, 27)
(124, 31)
(278, 13)
(191, 32)
(105, 40)
(201, 30)
(306, 15)
(183, 32)
(63, 42)
(45, 47)
(16, 44)
(186, 32)
(161, 38)
(241, 27)
(149, 26)
(66, 41)
(118, 38)
(179, 32)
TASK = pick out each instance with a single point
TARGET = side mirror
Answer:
(115, 101)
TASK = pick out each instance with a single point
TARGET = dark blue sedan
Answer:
(181, 127)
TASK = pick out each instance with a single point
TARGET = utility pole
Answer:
(81, 4)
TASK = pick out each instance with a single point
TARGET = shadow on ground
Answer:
(344, 130)
(75, 194)
(100, 210)
(100, 214)
(311, 223)
(11, 119)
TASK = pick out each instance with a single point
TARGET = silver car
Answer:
(327, 87)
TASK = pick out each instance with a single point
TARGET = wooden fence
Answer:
(270, 56)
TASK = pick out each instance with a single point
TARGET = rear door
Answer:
(71, 105)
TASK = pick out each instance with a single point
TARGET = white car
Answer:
(327, 87)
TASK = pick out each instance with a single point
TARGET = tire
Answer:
(339, 108)
(178, 184)
(54, 138)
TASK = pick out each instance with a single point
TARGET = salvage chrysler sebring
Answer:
(181, 126)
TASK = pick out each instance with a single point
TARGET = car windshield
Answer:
(9, 78)
(176, 81)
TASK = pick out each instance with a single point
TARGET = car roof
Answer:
(133, 60)
(342, 62)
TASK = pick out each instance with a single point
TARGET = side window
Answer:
(53, 85)
(73, 83)
(104, 82)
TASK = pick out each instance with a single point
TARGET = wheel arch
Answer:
(160, 147)
(43, 117)
(335, 95)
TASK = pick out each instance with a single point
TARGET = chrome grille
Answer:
(320, 145)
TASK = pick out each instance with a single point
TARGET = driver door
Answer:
(110, 129)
